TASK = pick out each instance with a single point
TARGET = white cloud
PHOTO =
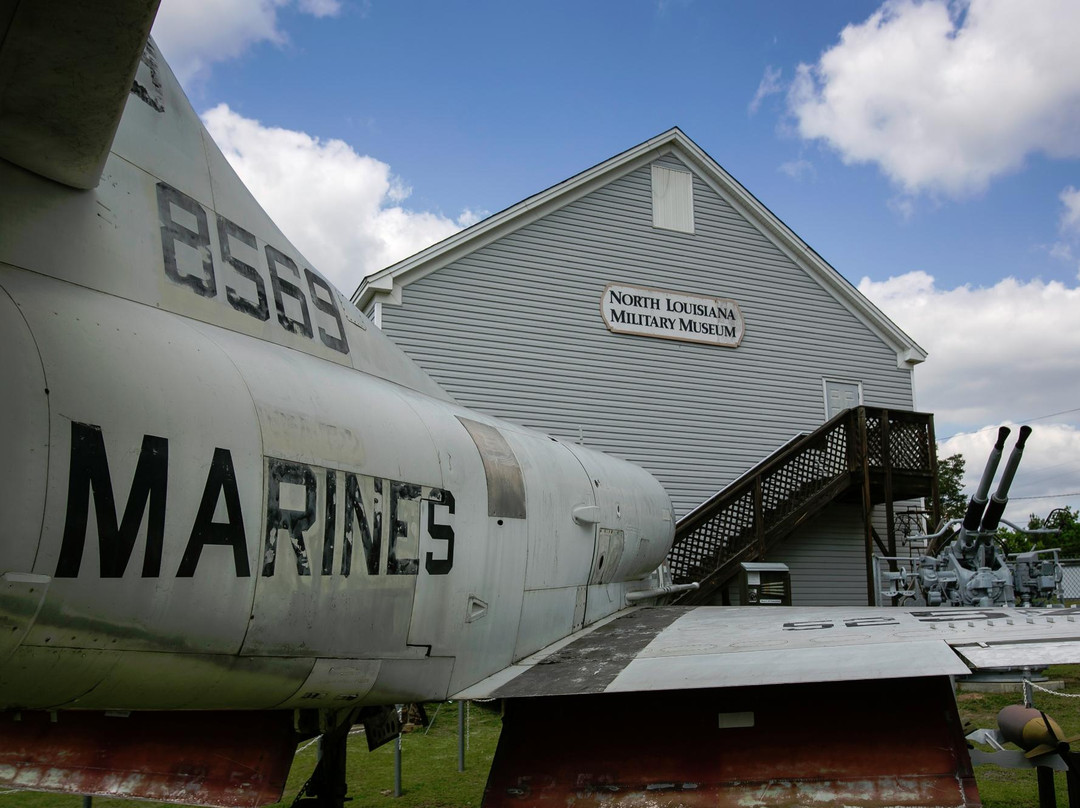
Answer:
(902, 206)
(1006, 351)
(1069, 226)
(469, 217)
(194, 34)
(321, 8)
(769, 85)
(943, 98)
(1070, 217)
(1061, 251)
(997, 354)
(1050, 465)
(798, 169)
(341, 209)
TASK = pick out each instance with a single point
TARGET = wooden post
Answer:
(886, 460)
(868, 525)
(935, 491)
(759, 518)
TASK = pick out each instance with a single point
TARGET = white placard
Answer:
(672, 315)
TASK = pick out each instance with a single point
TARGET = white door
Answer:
(840, 396)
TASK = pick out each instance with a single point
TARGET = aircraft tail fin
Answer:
(65, 73)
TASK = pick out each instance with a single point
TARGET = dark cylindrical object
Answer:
(978, 501)
(1001, 497)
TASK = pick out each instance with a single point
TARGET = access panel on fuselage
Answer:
(347, 469)
(473, 611)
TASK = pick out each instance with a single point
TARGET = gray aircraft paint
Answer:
(222, 480)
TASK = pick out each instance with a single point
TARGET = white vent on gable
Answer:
(672, 199)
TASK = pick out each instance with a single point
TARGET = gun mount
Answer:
(965, 564)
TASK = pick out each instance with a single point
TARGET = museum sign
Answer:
(672, 315)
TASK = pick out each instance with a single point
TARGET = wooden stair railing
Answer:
(863, 447)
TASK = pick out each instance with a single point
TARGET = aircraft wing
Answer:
(66, 69)
(677, 648)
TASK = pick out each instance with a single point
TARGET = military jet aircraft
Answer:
(234, 515)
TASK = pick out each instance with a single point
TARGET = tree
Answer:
(1068, 540)
(1068, 522)
(950, 487)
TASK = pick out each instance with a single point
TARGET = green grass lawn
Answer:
(429, 775)
(1011, 788)
(429, 760)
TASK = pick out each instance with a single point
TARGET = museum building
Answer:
(652, 308)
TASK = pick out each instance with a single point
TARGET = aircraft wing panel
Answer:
(1018, 654)
(66, 69)
(776, 667)
(674, 648)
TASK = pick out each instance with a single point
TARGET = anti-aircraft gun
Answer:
(964, 564)
(983, 574)
(1037, 573)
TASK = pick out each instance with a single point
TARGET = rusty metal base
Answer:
(894, 742)
(199, 758)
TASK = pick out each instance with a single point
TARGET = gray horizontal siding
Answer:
(827, 559)
(514, 329)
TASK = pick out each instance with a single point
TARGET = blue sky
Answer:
(929, 152)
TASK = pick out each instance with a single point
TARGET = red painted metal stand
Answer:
(234, 758)
(883, 743)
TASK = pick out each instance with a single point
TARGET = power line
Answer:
(1047, 496)
(1050, 415)
(1048, 474)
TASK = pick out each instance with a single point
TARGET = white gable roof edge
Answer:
(386, 285)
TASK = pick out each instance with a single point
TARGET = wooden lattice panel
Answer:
(714, 541)
(729, 528)
(873, 440)
(909, 445)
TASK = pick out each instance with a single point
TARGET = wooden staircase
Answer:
(867, 454)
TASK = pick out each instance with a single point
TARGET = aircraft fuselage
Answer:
(224, 488)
